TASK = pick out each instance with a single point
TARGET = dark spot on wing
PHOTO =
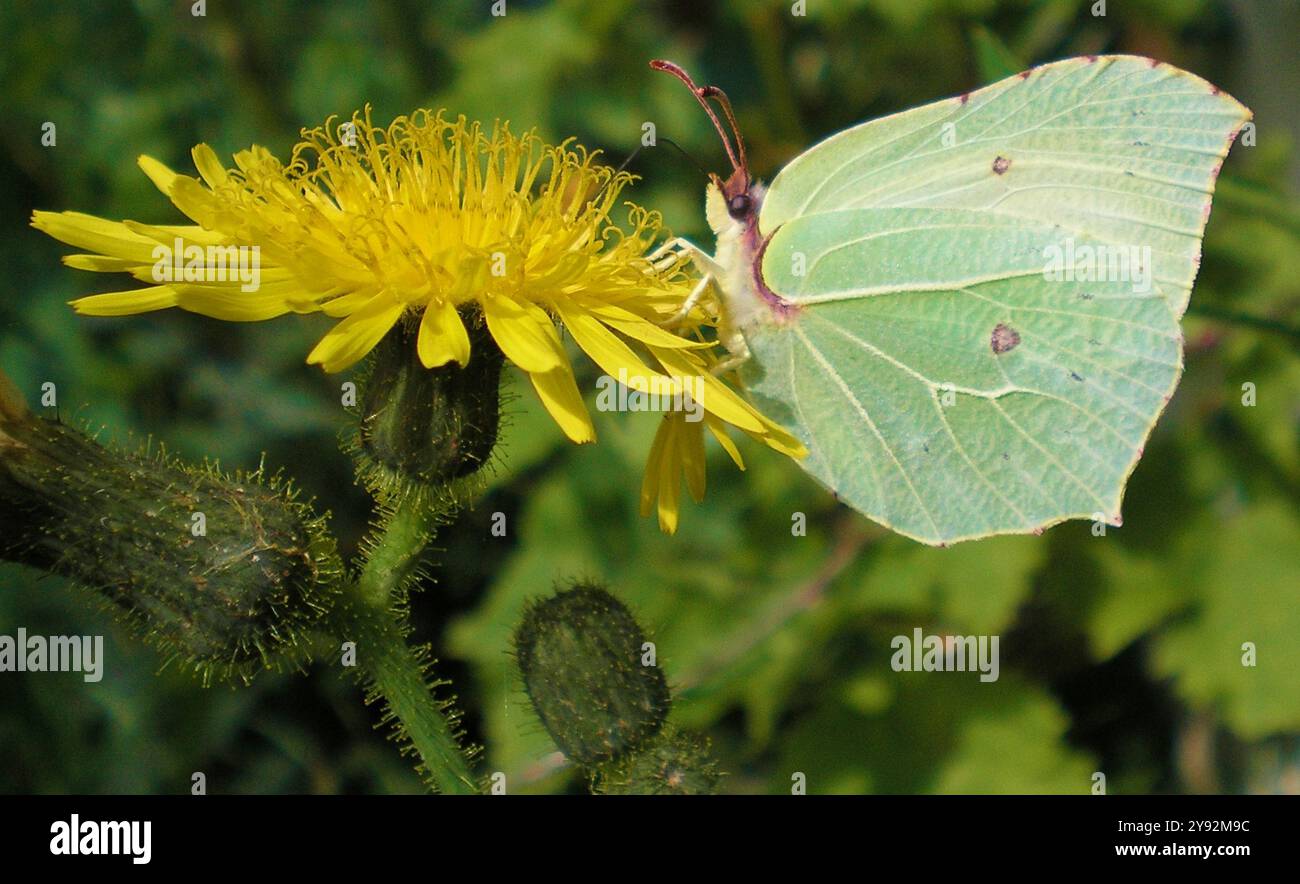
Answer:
(964, 97)
(1004, 338)
(1075, 376)
(1000, 165)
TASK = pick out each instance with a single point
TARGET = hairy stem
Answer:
(398, 545)
(397, 673)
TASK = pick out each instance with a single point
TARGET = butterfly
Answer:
(968, 312)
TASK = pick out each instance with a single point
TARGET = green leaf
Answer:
(939, 733)
(1242, 596)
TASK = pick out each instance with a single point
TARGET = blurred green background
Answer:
(1120, 654)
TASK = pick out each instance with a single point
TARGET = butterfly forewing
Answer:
(990, 289)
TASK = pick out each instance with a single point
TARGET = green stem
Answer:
(397, 672)
(396, 552)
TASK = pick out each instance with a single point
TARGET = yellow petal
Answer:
(719, 431)
(650, 482)
(112, 238)
(155, 297)
(194, 200)
(559, 393)
(717, 397)
(167, 234)
(442, 337)
(692, 446)
(779, 439)
(528, 341)
(357, 335)
(103, 264)
(349, 303)
(670, 488)
(231, 303)
(609, 351)
(162, 177)
(205, 160)
(643, 330)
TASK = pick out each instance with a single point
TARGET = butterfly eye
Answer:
(739, 205)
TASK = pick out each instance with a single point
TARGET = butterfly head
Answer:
(740, 195)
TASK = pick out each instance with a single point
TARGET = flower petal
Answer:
(112, 238)
(357, 335)
(205, 160)
(101, 263)
(194, 200)
(670, 481)
(643, 330)
(442, 336)
(155, 297)
(528, 341)
(719, 430)
(231, 303)
(779, 439)
(717, 396)
(559, 393)
(650, 481)
(162, 177)
(611, 353)
(692, 447)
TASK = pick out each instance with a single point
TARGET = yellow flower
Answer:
(677, 453)
(431, 217)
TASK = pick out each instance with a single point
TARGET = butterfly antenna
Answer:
(636, 153)
(684, 152)
(721, 98)
(702, 94)
(613, 175)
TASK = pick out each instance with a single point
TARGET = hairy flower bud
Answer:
(426, 427)
(224, 572)
(674, 764)
(582, 656)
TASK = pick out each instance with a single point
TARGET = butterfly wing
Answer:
(944, 383)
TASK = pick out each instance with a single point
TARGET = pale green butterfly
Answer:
(969, 311)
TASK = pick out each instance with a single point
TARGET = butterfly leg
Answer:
(737, 354)
(671, 252)
(690, 303)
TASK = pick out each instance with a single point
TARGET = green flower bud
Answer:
(581, 656)
(225, 572)
(423, 427)
(674, 764)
